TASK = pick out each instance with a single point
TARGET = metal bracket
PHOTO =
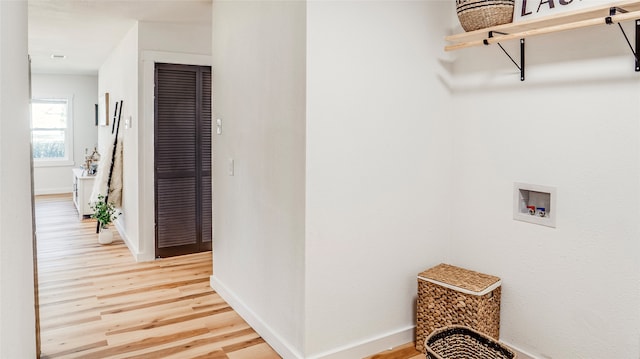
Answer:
(521, 66)
(609, 21)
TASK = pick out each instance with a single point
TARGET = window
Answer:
(51, 128)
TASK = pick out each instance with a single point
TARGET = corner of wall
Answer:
(282, 347)
(140, 256)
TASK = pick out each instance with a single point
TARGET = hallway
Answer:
(97, 302)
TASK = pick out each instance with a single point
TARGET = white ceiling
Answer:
(86, 31)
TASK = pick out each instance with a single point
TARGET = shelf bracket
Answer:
(609, 21)
(519, 66)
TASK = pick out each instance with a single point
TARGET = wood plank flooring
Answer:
(406, 351)
(97, 302)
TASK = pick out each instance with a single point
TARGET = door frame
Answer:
(146, 198)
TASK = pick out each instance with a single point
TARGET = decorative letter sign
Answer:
(533, 9)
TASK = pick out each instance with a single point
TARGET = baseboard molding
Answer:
(273, 339)
(137, 255)
(145, 257)
(385, 342)
(360, 349)
(370, 346)
(521, 353)
(59, 190)
(124, 237)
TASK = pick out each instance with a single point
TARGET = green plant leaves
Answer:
(104, 212)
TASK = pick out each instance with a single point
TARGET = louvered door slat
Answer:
(206, 123)
(177, 211)
(207, 212)
(175, 121)
(206, 138)
(182, 159)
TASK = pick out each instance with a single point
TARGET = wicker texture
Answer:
(459, 342)
(439, 306)
(459, 277)
(480, 14)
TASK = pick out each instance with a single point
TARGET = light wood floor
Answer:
(407, 351)
(97, 302)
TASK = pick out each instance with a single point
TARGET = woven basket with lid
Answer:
(480, 14)
(450, 295)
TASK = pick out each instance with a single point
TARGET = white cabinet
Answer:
(82, 187)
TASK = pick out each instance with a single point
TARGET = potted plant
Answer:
(105, 213)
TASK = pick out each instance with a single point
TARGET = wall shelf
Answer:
(613, 13)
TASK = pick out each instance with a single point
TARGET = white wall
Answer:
(411, 155)
(175, 37)
(125, 75)
(259, 93)
(17, 311)
(375, 171)
(378, 170)
(83, 92)
(572, 291)
(165, 43)
(119, 77)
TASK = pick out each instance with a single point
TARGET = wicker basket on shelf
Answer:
(480, 14)
(460, 342)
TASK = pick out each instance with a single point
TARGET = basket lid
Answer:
(461, 279)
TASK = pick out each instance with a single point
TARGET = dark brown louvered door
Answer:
(205, 159)
(183, 210)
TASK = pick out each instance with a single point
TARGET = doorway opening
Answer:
(182, 159)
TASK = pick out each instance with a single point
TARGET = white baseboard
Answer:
(385, 342)
(125, 238)
(370, 346)
(137, 255)
(59, 190)
(521, 353)
(272, 338)
(145, 257)
(360, 349)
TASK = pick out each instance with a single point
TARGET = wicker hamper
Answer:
(480, 14)
(460, 342)
(450, 295)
